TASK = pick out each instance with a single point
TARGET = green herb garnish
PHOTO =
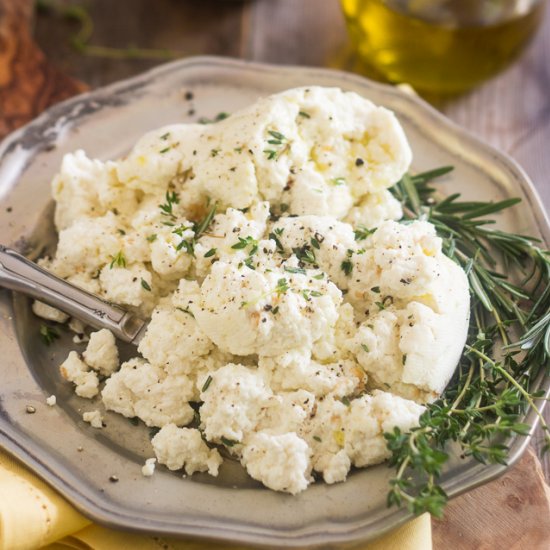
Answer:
(198, 229)
(279, 140)
(118, 260)
(48, 334)
(346, 266)
(345, 400)
(186, 310)
(484, 405)
(145, 285)
(299, 270)
(362, 232)
(207, 383)
(217, 118)
(167, 208)
(274, 236)
(243, 242)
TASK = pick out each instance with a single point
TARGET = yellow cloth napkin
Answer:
(33, 515)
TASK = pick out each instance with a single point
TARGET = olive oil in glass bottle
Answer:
(441, 46)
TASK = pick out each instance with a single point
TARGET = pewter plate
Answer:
(232, 507)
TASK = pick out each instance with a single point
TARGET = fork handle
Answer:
(19, 274)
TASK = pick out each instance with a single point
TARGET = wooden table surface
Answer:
(512, 111)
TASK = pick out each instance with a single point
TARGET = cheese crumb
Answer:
(148, 469)
(184, 448)
(101, 354)
(94, 418)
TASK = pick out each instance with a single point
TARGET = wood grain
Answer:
(512, 513)
(28, 82)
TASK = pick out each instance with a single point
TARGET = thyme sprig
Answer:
(279, 145)
(508, 346)
(198, 228)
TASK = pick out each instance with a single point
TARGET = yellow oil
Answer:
(432, 52)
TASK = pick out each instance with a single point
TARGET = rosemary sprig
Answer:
(492, 388)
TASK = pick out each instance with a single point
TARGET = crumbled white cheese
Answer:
(148, 392)
(77, 326)
(126, 285)
(233, 403)
(280, 462)
(173, 339)
(51, 401)
(364, 442)
(237, 304)
(285, 302)
(94, 418)
(101, 353)
(86, 187)
(75, 370)
(184, 448)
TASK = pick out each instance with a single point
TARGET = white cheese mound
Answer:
(225, 232)
(285, 302)
(86, 246)
(101, 354)
(318, 150)
(333, 240)
(286, 412)
(374, 209)
(88, 188)
(94, 418)
(143, 390)
(296, 370)
(183, 447)
(126, 285)
(416, 304)
(280, 462)
(174, 339)
(365, 443)
(236, 304)
(233, 403)
(342, 435)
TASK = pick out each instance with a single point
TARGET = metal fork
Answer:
(20, 274)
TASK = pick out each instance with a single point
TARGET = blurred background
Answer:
(100, 41)
(139, 34)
